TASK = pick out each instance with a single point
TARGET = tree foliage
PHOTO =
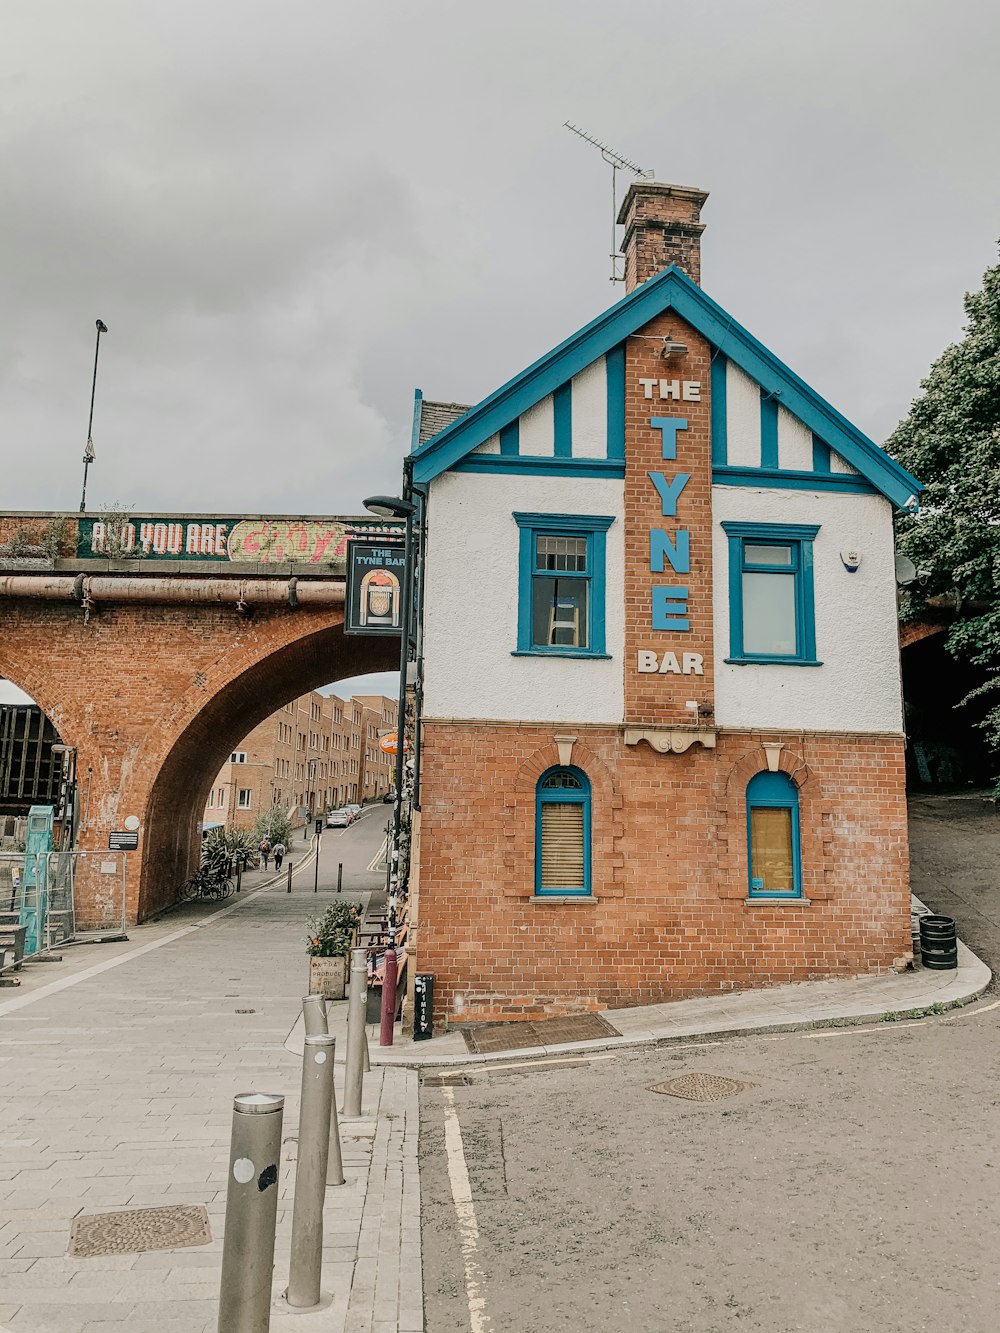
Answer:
(951, 442)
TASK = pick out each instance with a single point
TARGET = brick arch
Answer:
(153, 698)
(607, 828)
(215, 716)
(815, 826)
(917, 630)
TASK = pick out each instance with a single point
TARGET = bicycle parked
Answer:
(212, 880)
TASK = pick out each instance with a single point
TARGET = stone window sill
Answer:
(777, 901)
(561, 900)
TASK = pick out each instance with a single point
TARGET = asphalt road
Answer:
(356, 848)
(853, 1185)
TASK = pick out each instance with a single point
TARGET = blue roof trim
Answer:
(669, 290)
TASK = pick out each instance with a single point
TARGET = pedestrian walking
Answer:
(265, 853)
(279, 854)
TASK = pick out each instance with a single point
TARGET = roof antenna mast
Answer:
(617, 163)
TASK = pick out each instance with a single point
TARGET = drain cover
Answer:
(701, 1087)
(446, 1081)
(139, 1230)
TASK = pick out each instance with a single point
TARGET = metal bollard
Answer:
(289, 877)
(239, 876)
(334, 1158)
(306, 1266)
(340, 875)
(314, 1014)
(389, 974)
(251, 1209)
(356, 1036)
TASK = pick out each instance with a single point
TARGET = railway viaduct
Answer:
(154, 644)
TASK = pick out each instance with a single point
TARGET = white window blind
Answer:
(562, 846)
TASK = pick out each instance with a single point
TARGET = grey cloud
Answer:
(291, 215)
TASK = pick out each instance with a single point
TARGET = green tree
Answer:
(951, 442)
(274, 825)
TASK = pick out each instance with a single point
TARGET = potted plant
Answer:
(328, 944)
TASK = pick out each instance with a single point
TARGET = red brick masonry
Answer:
(669, 872)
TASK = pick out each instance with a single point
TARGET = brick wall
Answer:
(154, 698)
(669, 871)
(659, 699)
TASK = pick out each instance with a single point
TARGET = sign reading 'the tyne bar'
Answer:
(374, 603)
(670, 552)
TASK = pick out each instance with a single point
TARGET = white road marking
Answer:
(969, 1012)
(858, 1032)
(468, 1229)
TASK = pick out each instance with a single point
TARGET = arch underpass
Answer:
(153, 675)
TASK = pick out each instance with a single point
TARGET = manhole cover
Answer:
(489, 1038)
(701, 1087)
(139, 1230)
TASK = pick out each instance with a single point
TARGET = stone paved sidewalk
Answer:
(805, 1004)
(118, 1075)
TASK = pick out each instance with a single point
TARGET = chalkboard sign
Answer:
(423, 1006)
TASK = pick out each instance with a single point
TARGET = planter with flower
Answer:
(328, 945)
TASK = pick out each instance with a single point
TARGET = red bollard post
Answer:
(388, 1016)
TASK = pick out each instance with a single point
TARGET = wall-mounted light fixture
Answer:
(672, 349)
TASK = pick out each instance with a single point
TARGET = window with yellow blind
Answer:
(562, 833)
(773, 837)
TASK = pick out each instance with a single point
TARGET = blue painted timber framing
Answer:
(720, 411)
(614, 364)
(532, 465)
(669, 290)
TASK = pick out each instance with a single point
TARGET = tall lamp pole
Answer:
(88, 453)
(390, 506)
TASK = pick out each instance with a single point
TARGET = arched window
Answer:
(562, 832)
(773, 836)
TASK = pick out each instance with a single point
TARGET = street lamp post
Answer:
(391, 506)
(88, 453)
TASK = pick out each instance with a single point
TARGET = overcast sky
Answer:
(291, 215)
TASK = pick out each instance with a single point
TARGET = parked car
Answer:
(339, 818)
(354, 809)
(389, 797)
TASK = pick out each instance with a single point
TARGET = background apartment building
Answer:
(316, 753)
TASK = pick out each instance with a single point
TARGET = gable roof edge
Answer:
(671, 289)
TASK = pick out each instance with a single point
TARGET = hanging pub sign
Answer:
(374, 596)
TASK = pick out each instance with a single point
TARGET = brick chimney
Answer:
(662, 227)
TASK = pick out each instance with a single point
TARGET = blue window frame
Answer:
(562, 833)
(561, 585)
(772, 613)
(773, 857)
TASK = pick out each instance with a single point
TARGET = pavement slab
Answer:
(131, 1107)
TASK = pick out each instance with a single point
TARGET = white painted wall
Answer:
(838, 464)
(742, 418)
(858, 686)
(490, 446)
(795, 442)
(536, 430)
(470, 615)
(590, 411)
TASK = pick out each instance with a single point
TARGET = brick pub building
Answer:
(661, 740)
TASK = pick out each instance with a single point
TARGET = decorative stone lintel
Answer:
(670, 740)
(773, 751)
(564, 744)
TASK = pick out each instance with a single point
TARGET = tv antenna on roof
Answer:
(617, 163)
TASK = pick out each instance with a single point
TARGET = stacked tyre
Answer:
(938, 943)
